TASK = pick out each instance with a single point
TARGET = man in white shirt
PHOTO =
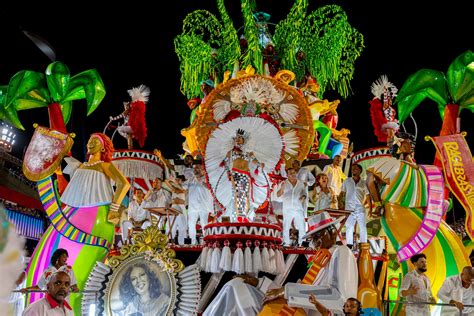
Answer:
(137, 215)
(305, 176)
(178, 198)
(200, 203)
(335, 174)
(458, 290)
(54, 303)
(353, 197)
(157, 196)
(293, 194)
(188, 167)
(416, 287)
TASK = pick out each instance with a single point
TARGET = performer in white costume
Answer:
(354, 196)
(458, 291)
(293, 196)
(305, 176)
(178, 200)
(157, 196)
(416, 287)
(335, 175)
(237, 164)
(245, 295)
(200, 202)
(323, 196)
(137, 215)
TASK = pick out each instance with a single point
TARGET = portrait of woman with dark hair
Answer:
(141, 292)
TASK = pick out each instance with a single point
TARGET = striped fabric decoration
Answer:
(407, 188)
(59, 218)
(433, 216)
(318, 261)
(26, 225)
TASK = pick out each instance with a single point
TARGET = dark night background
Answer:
(133, 44)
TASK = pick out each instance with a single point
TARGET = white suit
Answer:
(305, 176)
(200, 204)
(293, 210)
(355, 196)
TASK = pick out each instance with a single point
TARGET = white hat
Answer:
(320, 221)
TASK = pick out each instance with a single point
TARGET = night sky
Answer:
(135, 46)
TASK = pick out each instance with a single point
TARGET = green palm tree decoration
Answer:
(55, 89)
(452, 92)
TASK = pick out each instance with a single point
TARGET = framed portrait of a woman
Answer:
(140, 287)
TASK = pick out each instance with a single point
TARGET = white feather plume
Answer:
(288, 112)
(140, 93)
(291, 142)
(221, 109)
(378, 87)
(256, 89)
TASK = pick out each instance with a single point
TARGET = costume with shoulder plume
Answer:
(381, 110)
(134, 124)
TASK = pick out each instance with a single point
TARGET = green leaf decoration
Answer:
(460, 77)
(57, 77)
(253, 56)
(66, 109)
(229, 51)
(196, 63)
(28, 103)
(322, 44)
(11, 116)
(288, 38)
(425, 83)
(197, 50)
(467, 102)
(22, 83)
(87, 83)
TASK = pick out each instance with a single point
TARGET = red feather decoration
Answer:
(378, 119)
(137, 122)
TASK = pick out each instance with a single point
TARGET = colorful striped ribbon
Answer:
(60, 217)
(433, 216)
(26, 225)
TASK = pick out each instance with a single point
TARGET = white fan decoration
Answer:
(268, 152)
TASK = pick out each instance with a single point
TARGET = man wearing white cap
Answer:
(339, 274)
(246, 295)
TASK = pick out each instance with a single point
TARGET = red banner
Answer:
(458, 171)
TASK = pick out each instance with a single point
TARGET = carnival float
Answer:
(258, 117)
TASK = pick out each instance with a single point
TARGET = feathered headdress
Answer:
(382, 87)
(241, 133)
(140, 93)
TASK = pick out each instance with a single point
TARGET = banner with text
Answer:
(458, 171)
